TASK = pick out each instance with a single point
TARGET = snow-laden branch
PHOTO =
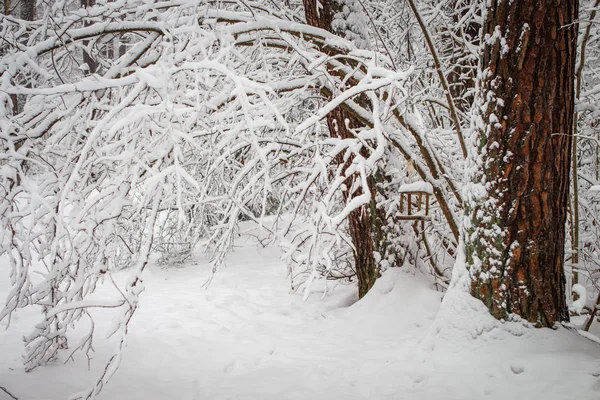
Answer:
(198, 116)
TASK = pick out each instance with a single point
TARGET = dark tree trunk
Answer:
(6, 5)
(461, 76)
(515, 241)
(27, 9)
(322, 17)
(87, 58)
(363, 220)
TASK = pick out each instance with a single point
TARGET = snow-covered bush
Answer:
(134, 127)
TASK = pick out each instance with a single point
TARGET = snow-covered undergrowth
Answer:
(247, 337)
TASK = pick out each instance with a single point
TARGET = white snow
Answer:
(247, 337)
(420, 186)
(580, 303)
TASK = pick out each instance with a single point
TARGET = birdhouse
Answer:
(414, 202)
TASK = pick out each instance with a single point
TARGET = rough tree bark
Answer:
(515, 216)
(363, 221)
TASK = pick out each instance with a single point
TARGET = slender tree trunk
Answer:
(363, 220)
(24, 9)
(441, 76)
(515, 230)
(461, 76)
(27, 9)
(578, 84)
(87, 58)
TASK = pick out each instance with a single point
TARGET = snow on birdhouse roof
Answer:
(420, 186)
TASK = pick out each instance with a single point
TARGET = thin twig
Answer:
(8, 393)
(379, 35)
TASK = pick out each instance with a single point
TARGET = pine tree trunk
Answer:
(361, 221)
(515, 218)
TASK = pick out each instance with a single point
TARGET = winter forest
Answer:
(299, 199)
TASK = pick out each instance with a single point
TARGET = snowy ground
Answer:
(246, 337)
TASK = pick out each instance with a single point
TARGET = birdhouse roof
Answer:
(417, 187)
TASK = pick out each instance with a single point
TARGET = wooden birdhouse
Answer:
(414, 202)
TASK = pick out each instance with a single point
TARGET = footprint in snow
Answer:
(231, 367)
(517, 367)
(174, 326)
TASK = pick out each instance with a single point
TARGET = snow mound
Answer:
(581, 302)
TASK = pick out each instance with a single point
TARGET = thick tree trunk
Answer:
(321, 17)
(515, 230)
(361, 221)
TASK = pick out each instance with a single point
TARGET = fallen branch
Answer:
(8, 393)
